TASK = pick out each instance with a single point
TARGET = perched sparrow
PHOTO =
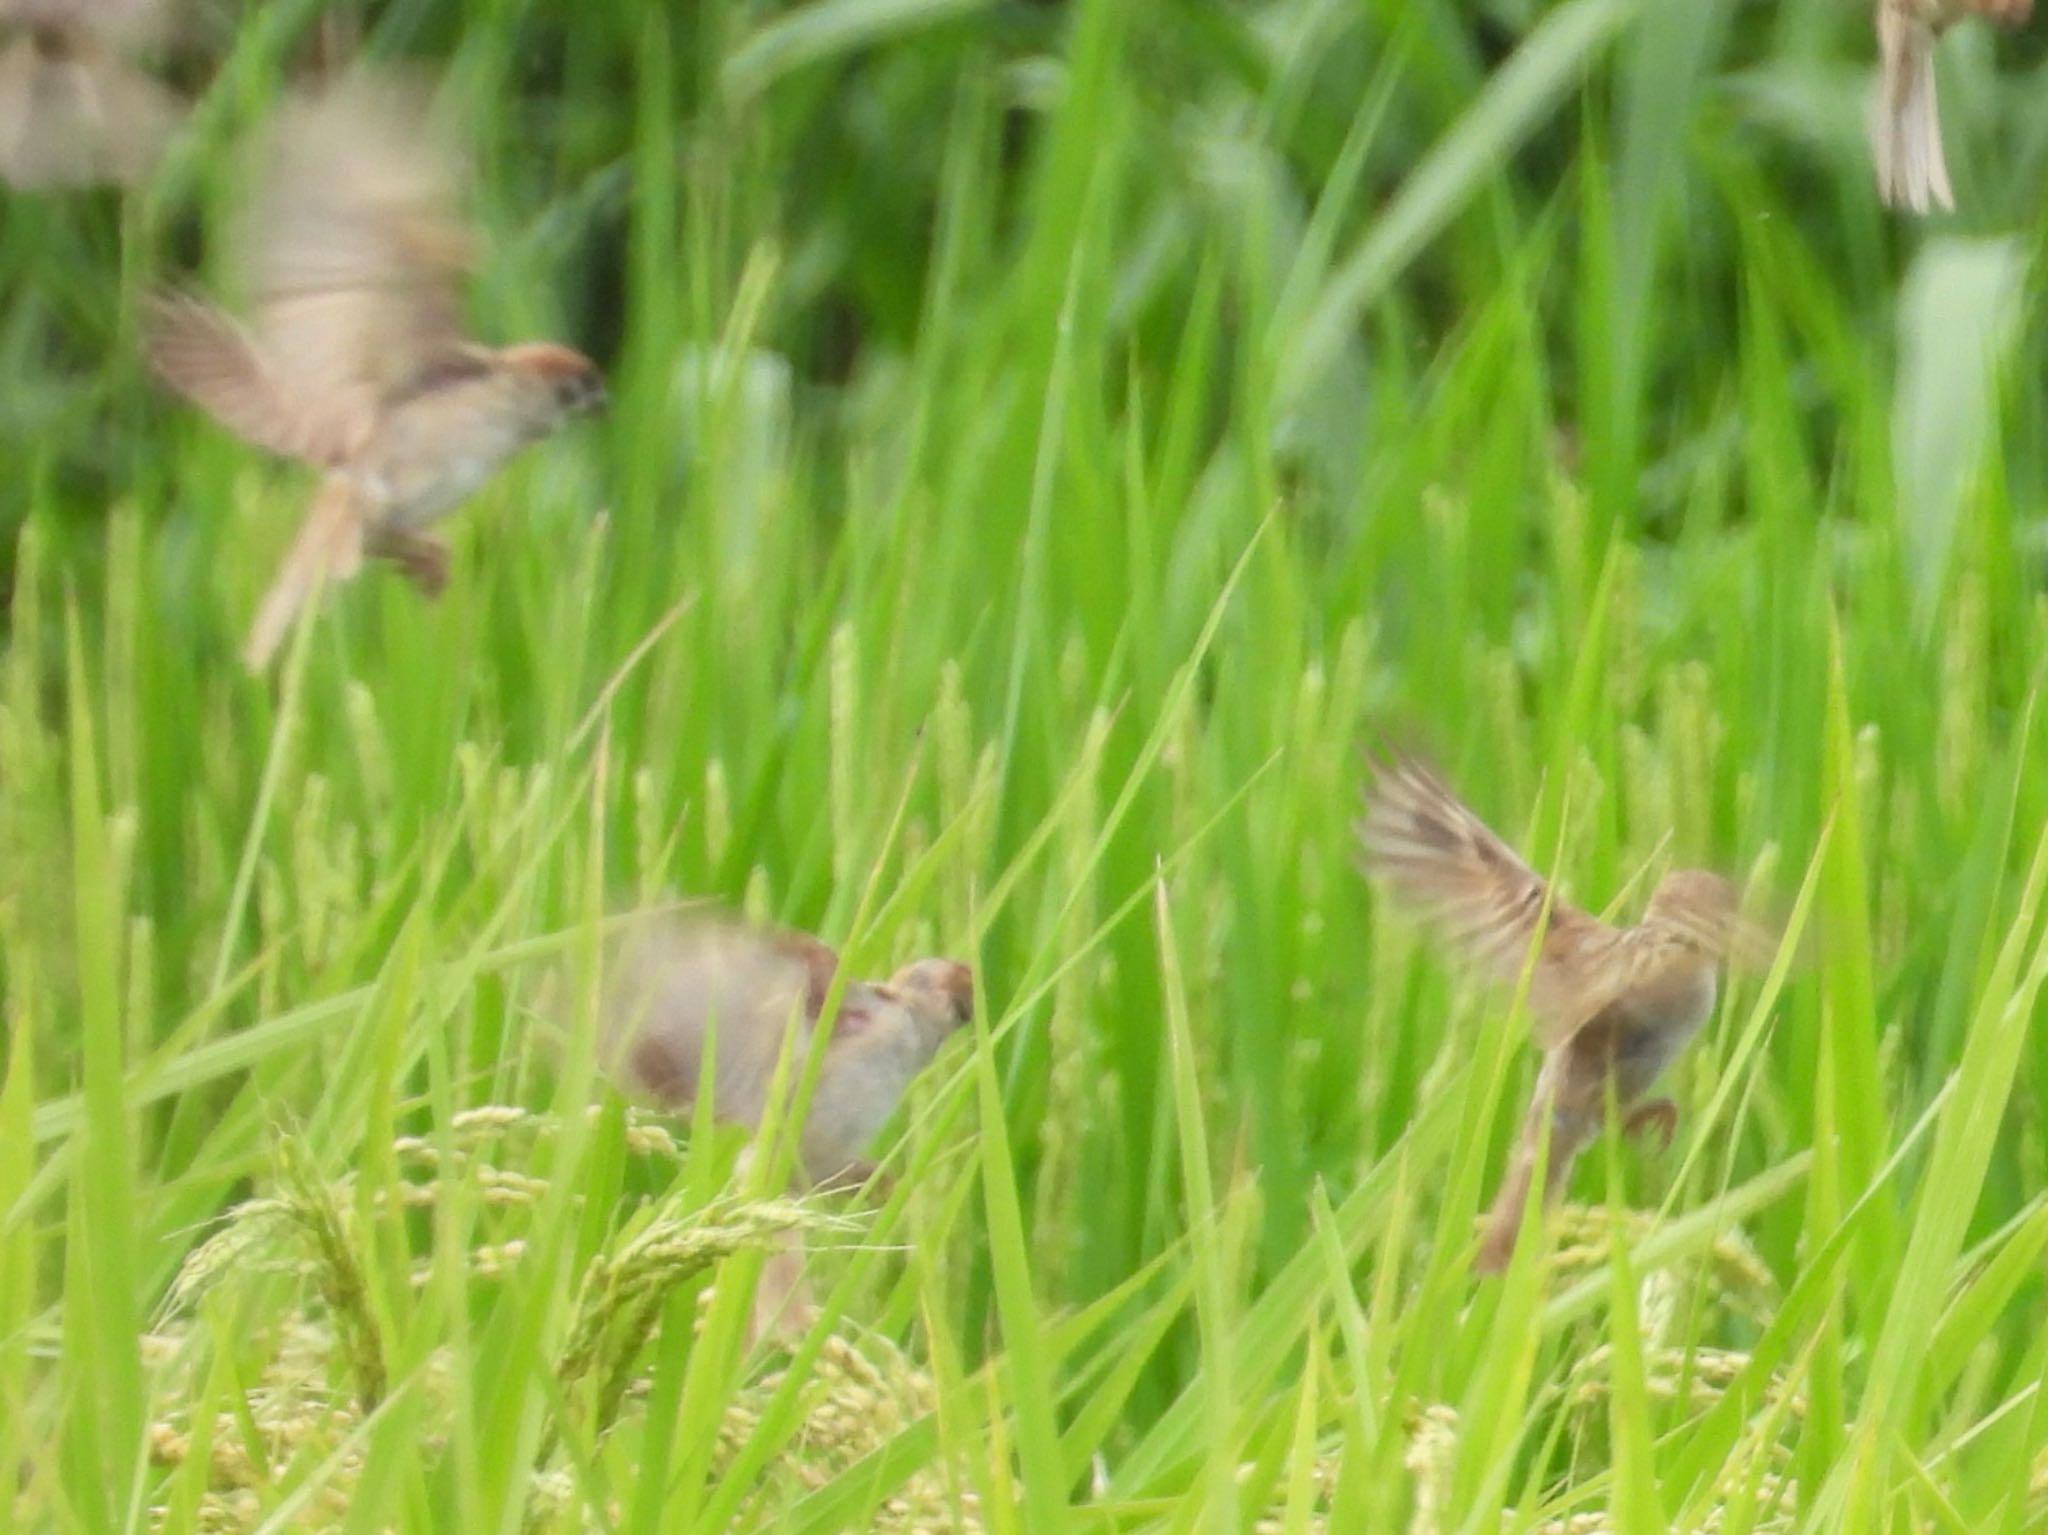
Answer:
(1605, 1001)
(73, 111)
(1905, 124)
(356, 361)
(675, 979)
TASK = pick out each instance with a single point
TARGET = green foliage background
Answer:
(1049, 441)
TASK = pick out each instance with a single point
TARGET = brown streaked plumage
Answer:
(1905, 122)
(675, 979)
(356, 360)
(74, 111)
(1605, 1002)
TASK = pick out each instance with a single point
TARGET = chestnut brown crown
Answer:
(941, 990)
(577, 382)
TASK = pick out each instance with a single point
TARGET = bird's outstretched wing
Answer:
(353, 247)
(354, 258)
(210, 359)
(1451, 871)
(678, 976)
(74, 113)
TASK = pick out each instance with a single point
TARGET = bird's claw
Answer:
(1660, 1114)
(424, 560)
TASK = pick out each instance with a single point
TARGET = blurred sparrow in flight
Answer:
(73, 111)
(1606, 1002)
(677, 978)
(356, 360)
(1905, 125)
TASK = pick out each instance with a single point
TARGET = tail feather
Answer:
(1504, 1220)
(1905, 126)
(329, 548)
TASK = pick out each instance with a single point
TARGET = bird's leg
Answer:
(424, 559)
(1548, 1136)
(1660, 1114)
(1503, 1223)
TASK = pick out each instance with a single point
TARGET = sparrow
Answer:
(355, 359)
(74, 111)
(674, 979)
(1905, 123)
(1607, 1003)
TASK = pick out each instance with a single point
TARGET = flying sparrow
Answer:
(674, 980)
(356, 360)
(1606, 1002)
(73, 111)
(1905, 124)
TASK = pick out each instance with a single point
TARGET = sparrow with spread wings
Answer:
(74, 111)
(1606, 1002)
(1905, 123)
(355, 359)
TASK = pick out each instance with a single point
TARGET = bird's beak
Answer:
(958, 986)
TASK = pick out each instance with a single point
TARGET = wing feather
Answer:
(75, 114)
(676, 976)
(211, 360)
(354, 251)
(1450, 870)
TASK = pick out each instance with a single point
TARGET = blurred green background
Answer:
(1049, 441)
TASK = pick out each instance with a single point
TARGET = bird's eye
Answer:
(580, 390)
